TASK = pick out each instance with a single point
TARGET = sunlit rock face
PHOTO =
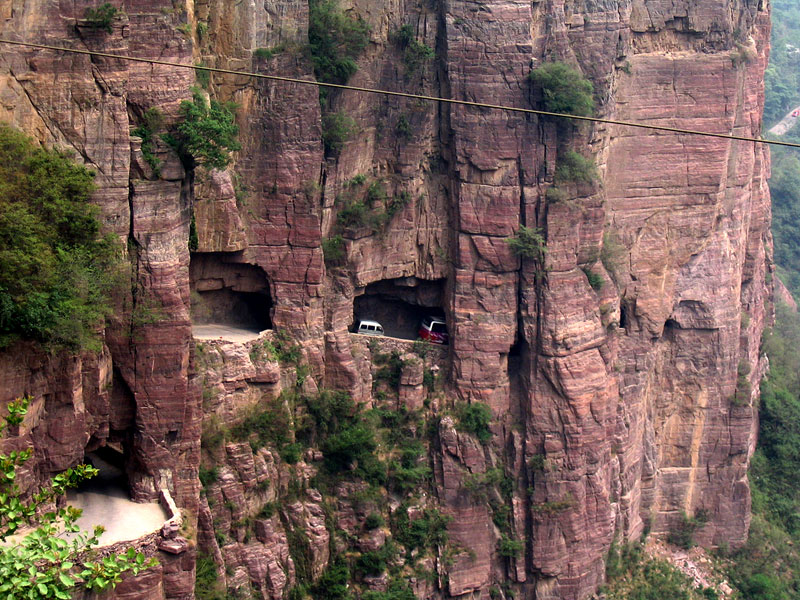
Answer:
(617, 405)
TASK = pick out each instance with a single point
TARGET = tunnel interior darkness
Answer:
(227, 291)
(400, 304)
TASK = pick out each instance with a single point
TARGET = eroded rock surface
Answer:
(621, 371)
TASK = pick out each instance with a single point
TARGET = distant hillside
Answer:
(782, 79)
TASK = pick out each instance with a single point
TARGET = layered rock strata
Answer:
(621, 370)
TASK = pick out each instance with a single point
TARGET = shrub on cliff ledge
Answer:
(335, 39)
(57, 270)
(101, 17)
(528, 242)
(564, 89)
(208, 133)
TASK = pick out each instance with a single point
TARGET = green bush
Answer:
(528, 242)
(206, 586)
(564, 89)
(415, 53)
(373, 521)
(474, 418)
(101, 17)
(57, 271)
(595, 279)
(268, 53)
(152, 121)
(613, 254)
(423, 533)
(203, 76)
(555, 195)
(335, 40)
(682, 532)
(333, 249)
(573, 167)
(208, 476)
(333, 583)
(509, 548)
(337, 128)
(397, 589)
(208, 133)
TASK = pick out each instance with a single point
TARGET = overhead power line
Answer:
(515, 109)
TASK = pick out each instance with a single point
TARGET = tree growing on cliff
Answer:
(208, 133)
(564, 89)
(43, 554)
(57, 270)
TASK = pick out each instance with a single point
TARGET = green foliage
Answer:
(208, 476)
(397, 589)
(101, 17)
(415, 54)
(269, 425)
(529, 243)
(785, 191)
(208, 133)
(152, 121)
(564, 89)
(555, 195)
(206, 586)
(57, 272)
(333, 248)
(509, 548)
(391, 368)
(335, 40)
(202, 29)
(333, 583)
(426, 532)
(573, 167)
(474, 418)
(631, 575)
(38, 562)
(403, 128)
(194, 240)
(595, 279)
(552, 507)
(373, 521)
(479, 485)
(203, 76)
(782, 77)
(268, 53)
(337, 128)
(682, 532)
(613, 254)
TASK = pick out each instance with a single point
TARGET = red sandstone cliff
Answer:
(615, 409)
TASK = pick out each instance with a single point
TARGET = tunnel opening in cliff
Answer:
(106, 499)
(226, 291)
(401, 304)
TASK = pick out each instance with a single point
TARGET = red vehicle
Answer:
(434, 330)
(795, 113)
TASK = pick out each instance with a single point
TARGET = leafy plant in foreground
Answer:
(40, 563)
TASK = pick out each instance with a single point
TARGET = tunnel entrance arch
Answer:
(225, 290)
(400, 305)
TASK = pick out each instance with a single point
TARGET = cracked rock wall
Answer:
(615, 407)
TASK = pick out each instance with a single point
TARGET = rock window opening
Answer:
(400, 305)
(228, 293)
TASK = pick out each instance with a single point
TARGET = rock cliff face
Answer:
(621, 371)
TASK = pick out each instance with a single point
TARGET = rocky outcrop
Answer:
(621, 370)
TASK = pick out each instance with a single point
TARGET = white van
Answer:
(367, 327)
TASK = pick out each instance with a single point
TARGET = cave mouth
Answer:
(400, 305)
(227, 291)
